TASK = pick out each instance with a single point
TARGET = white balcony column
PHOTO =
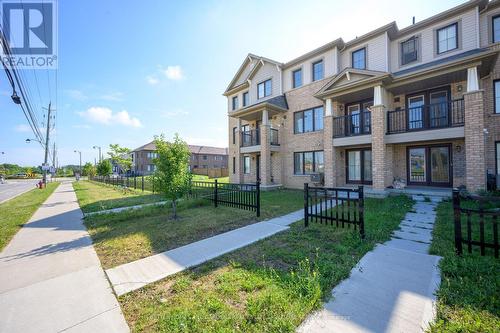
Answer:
(328, 107)
(329, 150)
(472, 79)
(265, 117)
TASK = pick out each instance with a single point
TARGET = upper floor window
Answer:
(409, 51)
(359, 59)
(495, 24)
(264, 89)
(297, 78)
(308, 120)
(205, 157)
(318, 71)
(235, 102)
(447, 38)
(234, 134)
(496, 94)
(246, 98)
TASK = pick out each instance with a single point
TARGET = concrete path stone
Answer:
(51, 279)
(392, 288)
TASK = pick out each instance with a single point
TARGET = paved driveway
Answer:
(13, 188)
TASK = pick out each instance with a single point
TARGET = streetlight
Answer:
(44, 165)
(97, 147)
(79, 152)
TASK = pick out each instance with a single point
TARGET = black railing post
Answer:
(361, 201)
(306, 204)
(135, 182)
(257, 194)
(215, 193)
(458, 222)
(142, 183)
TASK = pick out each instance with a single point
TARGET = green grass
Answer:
(93, 196)
(207, 179)
(123, 237)
(469, 296)
(16, 212)
(269, 286)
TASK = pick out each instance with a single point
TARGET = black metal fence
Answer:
(142, 183)
(242, 196)
(335, 206)
(478, 220)
(353, 124)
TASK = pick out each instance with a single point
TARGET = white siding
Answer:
(376, 53)
(245, 72)
(468, 26)
(267, 71)
(330, 68)
(485, 26)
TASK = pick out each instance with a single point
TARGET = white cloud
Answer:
(114, 96)
(173, 73)
(106, 116)
(152, 80)
(76, 94)
(22, 128)
(174, 113)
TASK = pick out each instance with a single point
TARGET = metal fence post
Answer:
(458, 222)
(135, 182)
(258, 197)
(361, 198)
(142, 183)
(306, 204)
(215, 193)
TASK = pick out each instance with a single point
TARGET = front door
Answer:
(257, 167)
(359, 166)
(416, 112)
(429, 165)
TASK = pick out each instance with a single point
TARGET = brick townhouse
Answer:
(203, 157)
(419, 104)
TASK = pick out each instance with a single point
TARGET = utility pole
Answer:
(54, 157)
(47, 146)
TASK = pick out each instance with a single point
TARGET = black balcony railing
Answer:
(427, 116)
(353, 124)
(250, 138)
(274, 137)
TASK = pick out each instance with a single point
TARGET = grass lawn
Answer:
(16, 212)
(469, 296)
(131, 235)
(93, 196)
(207, 179)
(269, 286)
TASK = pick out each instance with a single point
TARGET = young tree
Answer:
(104, 168)
(89, 170)
(172, 168)
(121, 156)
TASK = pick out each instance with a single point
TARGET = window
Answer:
(495, 24)
(359, 59)
(234, 165)
(409, 52)
(235, 102)
(205, 157)
(308, 120)
(297, 78)
(235, 129)
(246, 98)
(318, 71)
(264, 89)
(151, 167)
(496, 94)
(447, 38)
(152, 155)
(305, 163)
(246, 164)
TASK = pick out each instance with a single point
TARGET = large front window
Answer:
(318, 71)
(308, 120)
(305, 163)
(447, 38)
(359, 59)
(264, 89)
(359, 166)
(409, 52)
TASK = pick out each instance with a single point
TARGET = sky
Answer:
(130, 70)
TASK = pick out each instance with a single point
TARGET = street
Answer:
(13, 188)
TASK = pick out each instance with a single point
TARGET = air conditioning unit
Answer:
(318, 178)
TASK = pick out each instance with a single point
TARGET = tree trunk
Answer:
(174, 208)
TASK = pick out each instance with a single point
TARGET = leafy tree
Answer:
(89, 170)
(120, 156)
(172, 168)
(104, 168)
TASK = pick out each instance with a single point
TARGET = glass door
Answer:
(366, 116)
(430, 165)
(359, 166)
(417, 165)
(416, 112)
(354, 113)
(440, 165)
(438, 108)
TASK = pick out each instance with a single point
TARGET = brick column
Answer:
(378, 147)
(265, 154)
(328, 152)
(475, 162)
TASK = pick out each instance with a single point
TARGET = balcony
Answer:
(250, 140)
(427, 117)
(352, 125)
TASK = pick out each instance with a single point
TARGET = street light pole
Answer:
(79, 152)
(100, 156)
(46, 146)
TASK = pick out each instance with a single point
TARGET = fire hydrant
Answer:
(40, 184)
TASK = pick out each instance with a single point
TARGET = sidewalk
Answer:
(51, 279)
(392, 288)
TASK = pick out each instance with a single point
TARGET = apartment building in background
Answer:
(419, 104)
(202, 157)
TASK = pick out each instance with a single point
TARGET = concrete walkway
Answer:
(134, 275)
(392, 288)
(51, 279)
